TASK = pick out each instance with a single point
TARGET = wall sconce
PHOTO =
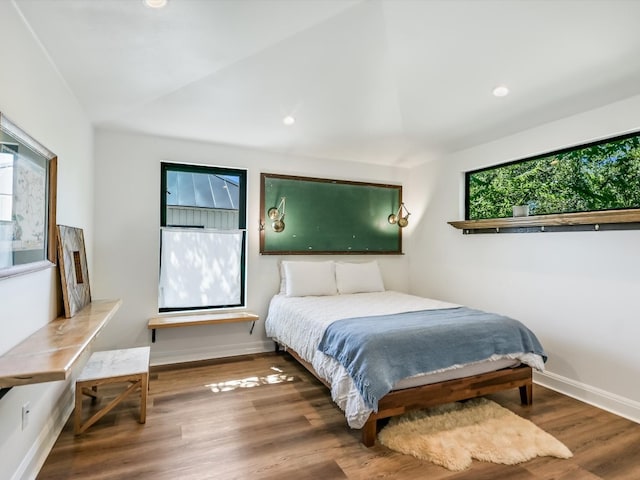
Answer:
(276, 214)
(398, 218)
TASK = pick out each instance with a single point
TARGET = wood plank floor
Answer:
(265, 417)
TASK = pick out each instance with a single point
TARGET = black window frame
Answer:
(242, 220)
(552, 153)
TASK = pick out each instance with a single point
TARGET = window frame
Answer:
(537, 157)
(165, 167)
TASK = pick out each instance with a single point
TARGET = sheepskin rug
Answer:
(452, 435)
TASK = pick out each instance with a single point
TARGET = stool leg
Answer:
(144, 388)
(106, 409)
(91, 392)
(77, 415)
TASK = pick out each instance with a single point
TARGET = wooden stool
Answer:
(113, 366)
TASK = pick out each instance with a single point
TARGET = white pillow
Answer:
(359, 277)
(309, 278)
(283, 279)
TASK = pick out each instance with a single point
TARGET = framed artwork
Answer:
(28, 173)
(310, 216)
(74, 274)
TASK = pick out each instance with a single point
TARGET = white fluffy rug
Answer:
(451, 435)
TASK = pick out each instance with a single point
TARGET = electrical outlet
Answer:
(26, 409)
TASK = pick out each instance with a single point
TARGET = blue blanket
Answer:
(379, 351)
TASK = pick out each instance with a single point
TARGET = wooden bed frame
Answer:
(398, 402)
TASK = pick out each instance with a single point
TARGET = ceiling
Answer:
(395, 82)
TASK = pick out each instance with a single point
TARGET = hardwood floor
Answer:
(264, 417)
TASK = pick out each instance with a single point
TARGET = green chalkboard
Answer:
(324, 216)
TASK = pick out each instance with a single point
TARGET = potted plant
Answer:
(520, 201)
(520, 210)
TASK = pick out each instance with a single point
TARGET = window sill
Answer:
(582, 221)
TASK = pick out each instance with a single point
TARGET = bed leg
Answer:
(526, 394)
(369, 432)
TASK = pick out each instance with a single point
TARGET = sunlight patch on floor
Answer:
(250, 382)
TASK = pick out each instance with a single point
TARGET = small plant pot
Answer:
(521, 210)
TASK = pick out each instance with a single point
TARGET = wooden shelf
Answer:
(606, 219)
(51, 352)
(174, 321)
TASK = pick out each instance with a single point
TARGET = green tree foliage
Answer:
(598, 177)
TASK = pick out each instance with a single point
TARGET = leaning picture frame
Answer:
(28, 179)
(74, 273)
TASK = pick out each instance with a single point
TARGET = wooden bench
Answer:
(173, 321)
(114, 366)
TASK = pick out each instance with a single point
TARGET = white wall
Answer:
(34, 97)
(576, 290)
(127, 239)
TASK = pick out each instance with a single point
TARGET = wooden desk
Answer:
(51, 352)
(173, 321)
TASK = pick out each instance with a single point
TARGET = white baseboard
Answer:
(168, 357)
(40, 449)
(616, 404)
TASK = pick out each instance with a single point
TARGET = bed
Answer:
(319, 300)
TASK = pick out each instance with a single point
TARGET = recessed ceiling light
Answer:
(155, 3)
(501, 91)
(288, 120)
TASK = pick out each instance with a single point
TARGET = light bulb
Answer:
(155, 3)
(501, 91)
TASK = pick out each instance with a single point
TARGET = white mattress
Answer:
(299, 323)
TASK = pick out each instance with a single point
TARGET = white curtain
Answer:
(200, 268)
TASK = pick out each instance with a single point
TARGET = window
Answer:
(6, 186)
(203, 237)
(603, 175)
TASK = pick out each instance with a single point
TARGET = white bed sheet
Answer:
(300, 322)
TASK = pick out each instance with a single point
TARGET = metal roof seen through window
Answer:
(202, 190)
